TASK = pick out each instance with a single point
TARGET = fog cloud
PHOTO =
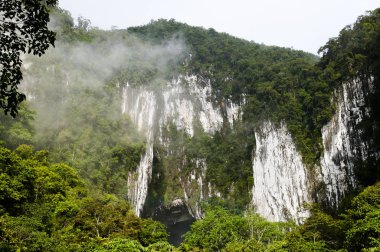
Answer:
(73, 75)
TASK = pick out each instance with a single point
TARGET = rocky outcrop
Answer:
(280, 178)
(183, 102)
(282, 183)
(343, 142)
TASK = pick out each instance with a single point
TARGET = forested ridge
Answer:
(63, 172)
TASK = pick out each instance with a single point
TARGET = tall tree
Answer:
(23, 29)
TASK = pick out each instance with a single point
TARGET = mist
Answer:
(72, 73)
(76, 91)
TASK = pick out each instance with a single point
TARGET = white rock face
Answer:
(182, 102)
(189, 98)
(233, 113)
(209, 115)
(280, 178)
(342, 142)
(177, 107)
(281, 184)
(141, 107)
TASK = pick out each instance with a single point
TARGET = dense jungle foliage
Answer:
(48, 207)
(69, 195)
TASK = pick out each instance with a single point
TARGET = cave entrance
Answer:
(177, 219)
(177, 230)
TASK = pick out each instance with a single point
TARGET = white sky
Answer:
(301, 24)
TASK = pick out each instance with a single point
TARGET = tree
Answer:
(218, 228)
(152, 232)
(23, 29)
(363, 220)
